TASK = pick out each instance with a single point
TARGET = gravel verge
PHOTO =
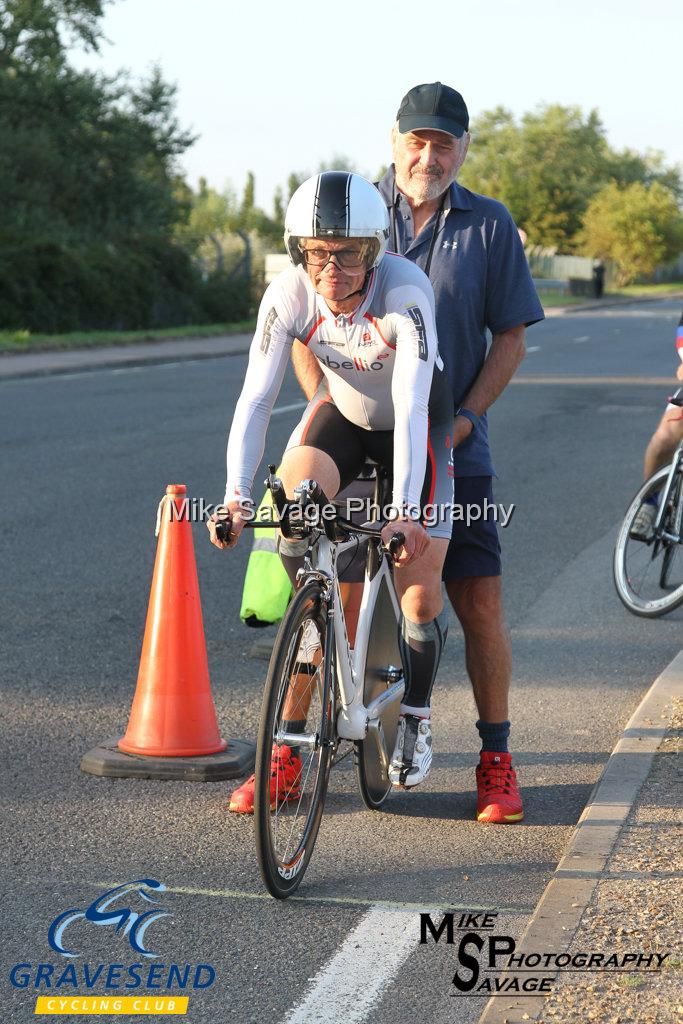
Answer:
(637, 907)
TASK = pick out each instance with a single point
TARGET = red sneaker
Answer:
(498, 799)
(285, 772)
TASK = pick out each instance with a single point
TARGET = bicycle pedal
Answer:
(401, 786)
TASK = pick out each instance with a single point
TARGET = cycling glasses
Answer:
(348, 259)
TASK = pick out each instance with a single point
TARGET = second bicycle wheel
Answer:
(383, 662)
(648, 574)
(295, 743)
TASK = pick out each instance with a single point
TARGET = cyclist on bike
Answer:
(659, 451)
(368, 317)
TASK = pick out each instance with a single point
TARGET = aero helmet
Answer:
(337, 204)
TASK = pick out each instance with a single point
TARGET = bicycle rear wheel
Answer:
(298, 712)
(383, 660)
(648, 574)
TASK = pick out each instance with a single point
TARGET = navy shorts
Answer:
(474, 550)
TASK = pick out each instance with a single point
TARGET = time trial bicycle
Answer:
(321, 693)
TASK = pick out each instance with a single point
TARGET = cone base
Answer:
(107, 760)
(130, 748)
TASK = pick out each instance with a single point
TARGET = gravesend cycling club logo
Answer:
(125, 920)
(125, 914)
(489, 964)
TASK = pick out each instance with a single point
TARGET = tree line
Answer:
(92, 202)
(572, 192)
(99, 230)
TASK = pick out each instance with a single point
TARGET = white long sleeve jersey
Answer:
(378, 363)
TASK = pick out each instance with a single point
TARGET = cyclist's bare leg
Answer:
(663, 442)
(303, 463)
(300, 690)
(351, 595)
(307, 463)
(418, 585)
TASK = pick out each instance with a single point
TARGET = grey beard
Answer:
(423, 188)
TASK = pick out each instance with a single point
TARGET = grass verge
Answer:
(667, 288)
(561, 299)
(24, 341)
(632, 291)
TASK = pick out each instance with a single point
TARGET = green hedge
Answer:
(49, 287)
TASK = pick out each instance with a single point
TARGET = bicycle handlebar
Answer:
(310, 493)
(397, 540)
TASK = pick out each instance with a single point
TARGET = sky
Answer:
(279, 87)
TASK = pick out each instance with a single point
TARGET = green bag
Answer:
(267, 590)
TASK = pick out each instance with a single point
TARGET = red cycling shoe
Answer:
(498, 799)
(285, 772)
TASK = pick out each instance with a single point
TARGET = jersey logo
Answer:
(415, 314)
(347, 364)
(268, 330)
(450, 245)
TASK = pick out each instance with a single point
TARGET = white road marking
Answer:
(533, 348)
(624, 410)
(137, 367)
(91, 371)
(349, 985)
(556, 378)
(584, 337)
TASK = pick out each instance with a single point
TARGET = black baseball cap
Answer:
(434, 106)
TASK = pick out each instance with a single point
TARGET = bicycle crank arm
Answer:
(376, 731)
(377, 706)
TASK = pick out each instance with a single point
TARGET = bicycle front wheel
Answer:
(295, 743)
(648, 574)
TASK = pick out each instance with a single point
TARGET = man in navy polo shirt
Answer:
(469, 247)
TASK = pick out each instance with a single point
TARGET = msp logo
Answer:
(490, 964)
(125, 920)
(82, 987)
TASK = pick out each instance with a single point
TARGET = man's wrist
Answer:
(468, 415)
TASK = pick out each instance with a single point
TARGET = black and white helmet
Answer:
(337, 204)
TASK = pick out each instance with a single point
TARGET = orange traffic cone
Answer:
(173, 714)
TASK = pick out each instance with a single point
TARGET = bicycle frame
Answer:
(354, 720)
